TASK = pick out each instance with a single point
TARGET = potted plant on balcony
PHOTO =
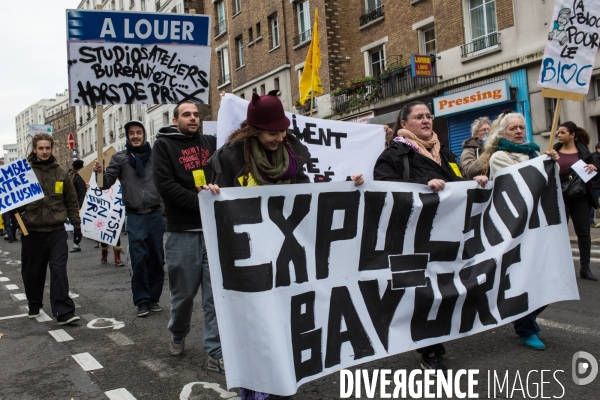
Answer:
(390, 70)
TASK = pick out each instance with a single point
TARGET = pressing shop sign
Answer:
(480, 96)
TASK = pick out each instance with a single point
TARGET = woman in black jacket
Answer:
(416, 155)
(572, 147)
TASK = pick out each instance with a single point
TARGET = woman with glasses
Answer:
(416, 155)
(473, 147)
(506, 146)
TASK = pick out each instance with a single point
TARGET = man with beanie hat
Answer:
(80, 190)
(180, 157)
(145, 227)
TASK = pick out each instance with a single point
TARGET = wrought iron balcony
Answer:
(371, 15)
(223, 80)
(303, 37)
(220, 28)
(157, 5)
(480, 44)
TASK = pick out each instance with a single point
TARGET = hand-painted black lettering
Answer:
(438, 250)
(402, 209)
(291, 250)
(474, 245)
(311, 167)
(305, 336)
(476, 301)
(423, 328)
(515, 224)
(513, 305)
(88, 55)
(236, 246)
(328, 203)
(404, 280)
(491, 232)
(341, 306)
(546, 192)
(381, 309)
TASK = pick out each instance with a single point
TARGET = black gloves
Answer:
(77, 236)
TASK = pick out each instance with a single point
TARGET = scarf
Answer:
(277, 167)
(528, 148)
(37, 161)
(138, 156)
(428, 148)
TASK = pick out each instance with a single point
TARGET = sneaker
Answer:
(177, 345)
(533, 342)
(215, 365)
(75, 249)
(142, 310)
(67, 319)
(154, 307)
(33, 312)
(435, 363)
(597, 225)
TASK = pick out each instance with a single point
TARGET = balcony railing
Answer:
(391, 85)
(220, 28)
(223, 80)
(371, 15)
(303, 37)
(480, 44)
(158, 5)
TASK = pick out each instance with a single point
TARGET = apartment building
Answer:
(10, 153)
(62, 118)
(35, 114)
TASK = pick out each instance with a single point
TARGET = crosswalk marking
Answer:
(159, 367)
(87, 362)
(12, 287)
(119, 338)
(60, 335)
(119, 394)
(4, 279)
(43, 317)
(13, 316)
(20, 296)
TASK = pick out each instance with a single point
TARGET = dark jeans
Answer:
(527, 326)
(147, 257)
(38, 251)
(579, 211)
(10, 225)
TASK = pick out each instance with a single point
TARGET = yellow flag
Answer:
(310, 82)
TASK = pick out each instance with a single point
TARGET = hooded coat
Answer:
(469, 163)
(180, 164)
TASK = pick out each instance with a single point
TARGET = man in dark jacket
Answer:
(595, 186)
(145, 228)
(80, 190)
(180, 160)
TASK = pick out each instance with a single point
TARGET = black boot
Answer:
(585, 273)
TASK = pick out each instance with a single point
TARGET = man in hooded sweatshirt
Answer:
(145, 227)
(180, 157)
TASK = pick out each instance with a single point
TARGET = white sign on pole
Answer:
(137, 58)
(18, 185)
(289, 263)
(338, 149)
(572, 45)
(209, 128)
(103, 213)
(35, 129)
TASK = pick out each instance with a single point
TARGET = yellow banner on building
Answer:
(310, 82)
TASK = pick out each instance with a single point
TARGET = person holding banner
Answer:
(507, 146)
(133, 168)
(262, 152)
(180, 163)
(416, 155)
(46, 244)
(80, 189)
(572, 146)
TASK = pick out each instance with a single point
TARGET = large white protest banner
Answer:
(310, 279)
(338, 149)
(572, 44)
(137, 58)
(18, 185)
(103, 213)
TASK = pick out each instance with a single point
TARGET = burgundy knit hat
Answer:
(266, 112)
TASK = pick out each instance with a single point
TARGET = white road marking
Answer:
(567, 327)
(105, 323)
(86, 361)
(119, 394)
(0, 272)
(60, 335)
(12, 287)
(13, 316)
(73, 295)
(13, 262)
(161, 369)
(187, 391)
(120, 339)
(43, 317)
(20, 296)
(4, 279)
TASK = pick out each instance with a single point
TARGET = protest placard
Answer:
(18, 185)
(103, 213)
(137, 58)
(338, 149)
(572, 45)
(309, 279)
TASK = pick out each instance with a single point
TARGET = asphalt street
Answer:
(111, 353)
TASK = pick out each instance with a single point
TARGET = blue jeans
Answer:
(527, 325)
(146, 256)
(10, 225)
(187, 266)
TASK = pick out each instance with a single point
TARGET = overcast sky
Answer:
(33, 57)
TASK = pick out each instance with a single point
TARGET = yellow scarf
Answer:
(429, 148)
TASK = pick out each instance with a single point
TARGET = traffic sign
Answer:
(71, 141)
